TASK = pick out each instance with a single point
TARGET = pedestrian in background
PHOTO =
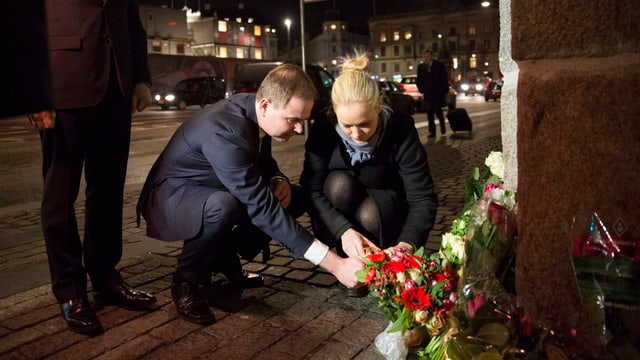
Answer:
(98, 59)
(214, 174)
(366, 172)
(433, 83)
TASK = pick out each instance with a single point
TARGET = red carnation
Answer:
(377, 256)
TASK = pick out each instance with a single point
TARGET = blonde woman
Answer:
(366, 172)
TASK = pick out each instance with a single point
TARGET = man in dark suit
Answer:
(214, 174)
(97, 52)
(433, 82)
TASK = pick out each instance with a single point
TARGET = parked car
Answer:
(396, 98)
(408, 84)
(472, 86)
(249, 76)
(193, 91)
(493, 90)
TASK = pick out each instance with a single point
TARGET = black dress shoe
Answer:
(80, 317)
(124, 296)
(191, 305)
(360, 290)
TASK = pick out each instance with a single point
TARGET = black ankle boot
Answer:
(190, 304)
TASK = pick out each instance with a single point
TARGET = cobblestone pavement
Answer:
(300, 313)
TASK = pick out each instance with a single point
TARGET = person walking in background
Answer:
(216, 176)
(366, 172)
(99, 71)
(433, 83)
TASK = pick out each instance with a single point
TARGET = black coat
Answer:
(433, 82)
(398, 173)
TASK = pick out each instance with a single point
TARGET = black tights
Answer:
(353, 200)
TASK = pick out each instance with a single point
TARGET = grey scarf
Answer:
(360, 153)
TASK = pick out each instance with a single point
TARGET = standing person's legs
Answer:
(430, 118)
(63, 150)
(440, 116)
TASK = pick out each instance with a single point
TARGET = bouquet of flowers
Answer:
(416, 292)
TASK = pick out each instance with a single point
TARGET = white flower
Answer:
(455, 243)
(495, 162)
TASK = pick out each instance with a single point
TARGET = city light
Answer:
(485, 3)
(287, 23)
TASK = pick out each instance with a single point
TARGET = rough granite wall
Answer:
(578, 136)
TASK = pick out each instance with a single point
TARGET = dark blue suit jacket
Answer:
(217, 149)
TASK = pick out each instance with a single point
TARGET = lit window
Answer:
(408, 35)
(455, 62)
(383, 37)
(257, 30)
(222, 26)
(334, 62)
(239, 53)
(250, 20)
(333, 26)
(156, 46)
(258, 53)
(472, 30)
(473, 62)
(396, 35)
(223, 52)
(343, 27)
(238, 20)
(241, 28)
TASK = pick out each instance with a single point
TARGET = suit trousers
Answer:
(96, 138)
(226, 232)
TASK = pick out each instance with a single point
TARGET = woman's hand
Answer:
(354, 243)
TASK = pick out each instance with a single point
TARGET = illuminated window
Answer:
(333, 26)
(473, 62)
(258, 54)
(396, 35)
(408, 35)
(222, 26)
(257, 30)
(343, 27)
(223, 52)
(383, 37)
(472, 30)
(239, 53)
(455, 62)
(238, 20)
(250, 20)
(156, 46)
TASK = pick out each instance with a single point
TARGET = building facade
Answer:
(465, 38)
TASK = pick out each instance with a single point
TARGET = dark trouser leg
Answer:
(440, 115)
(430, 118)
(105, 173)
(221, 212)
(63, 150)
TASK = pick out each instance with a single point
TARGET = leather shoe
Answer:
(360, 290)
(190, 304)
(124, 296)
(80, 317)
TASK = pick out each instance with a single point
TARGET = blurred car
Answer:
(396, 98)
(493, 90)
(193, 91)
(408, 84)
(472, 86)
(249, 76)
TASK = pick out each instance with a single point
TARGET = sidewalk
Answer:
(300, 313)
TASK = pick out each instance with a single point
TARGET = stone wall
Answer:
(577, 135)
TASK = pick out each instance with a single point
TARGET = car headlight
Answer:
(464, 87)
(479, 87)
(170, 97)
(157, 97)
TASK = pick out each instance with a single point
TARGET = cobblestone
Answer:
(300, 313)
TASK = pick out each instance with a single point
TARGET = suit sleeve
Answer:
(138, 40)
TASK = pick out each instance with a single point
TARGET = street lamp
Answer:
(287, 23)
(485, 3)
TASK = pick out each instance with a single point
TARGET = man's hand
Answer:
(353, 243)
(408, 248)
(282, 190)
(43, 120)
(141, 97)
(344, 269)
